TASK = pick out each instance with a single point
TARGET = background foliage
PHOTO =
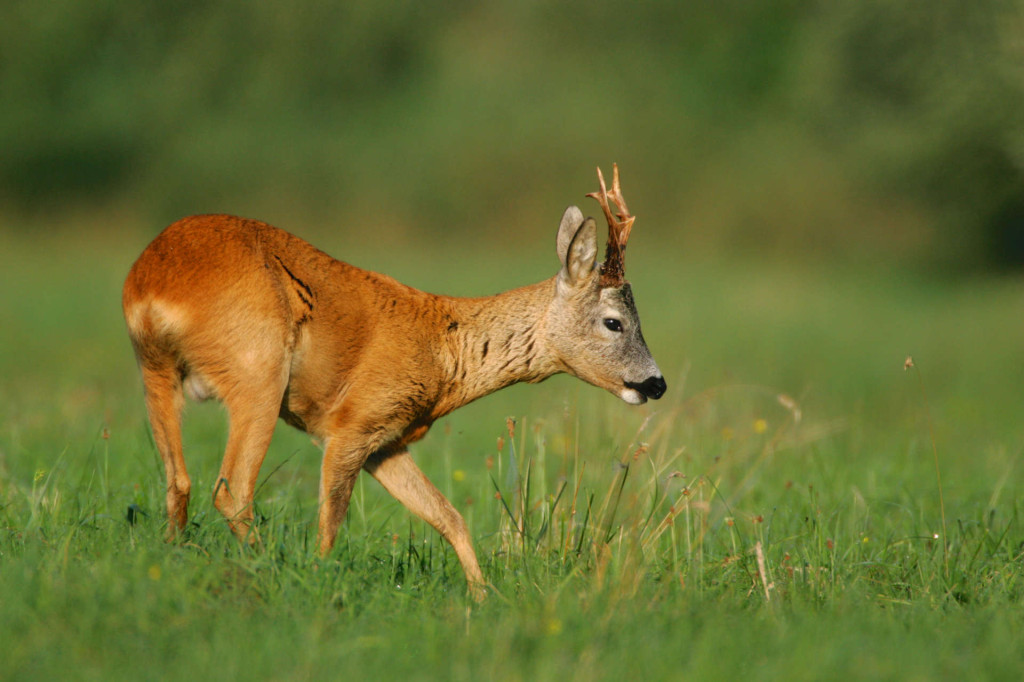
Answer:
(885, 126)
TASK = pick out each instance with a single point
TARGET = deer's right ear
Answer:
(581, 255)
(571, 221)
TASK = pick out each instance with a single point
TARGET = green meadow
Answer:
(823, 190)
(800, 504)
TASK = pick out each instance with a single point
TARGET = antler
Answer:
(613, 268)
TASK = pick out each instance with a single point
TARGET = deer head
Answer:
(595, 325)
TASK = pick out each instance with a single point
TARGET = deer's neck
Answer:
(498, 341)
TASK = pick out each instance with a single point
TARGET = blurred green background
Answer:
(864, 129)
(822, 188)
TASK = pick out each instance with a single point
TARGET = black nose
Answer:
(651, 387)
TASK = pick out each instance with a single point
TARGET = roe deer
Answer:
(233, 309)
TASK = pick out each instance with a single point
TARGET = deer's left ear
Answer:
(581, 254)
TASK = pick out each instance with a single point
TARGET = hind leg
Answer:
(164, 401)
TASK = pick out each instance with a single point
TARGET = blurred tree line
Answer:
(828, 127)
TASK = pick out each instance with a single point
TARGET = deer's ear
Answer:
(581, 255)
(571, 221)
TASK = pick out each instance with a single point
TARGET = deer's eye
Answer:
(611, 324)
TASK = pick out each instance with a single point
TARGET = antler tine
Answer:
(612, 270)
(624, 215)
(602, 198)
(622, 225)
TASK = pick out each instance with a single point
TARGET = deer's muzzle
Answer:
(651, 387)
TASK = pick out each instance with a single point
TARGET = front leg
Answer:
(344, 456)
(400, 476)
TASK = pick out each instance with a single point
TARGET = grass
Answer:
(778, 513)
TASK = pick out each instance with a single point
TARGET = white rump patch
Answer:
(165, 318)
(170, 319)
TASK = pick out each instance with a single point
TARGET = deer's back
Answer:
(216, 290)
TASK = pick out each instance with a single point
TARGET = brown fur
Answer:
(233, 309)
